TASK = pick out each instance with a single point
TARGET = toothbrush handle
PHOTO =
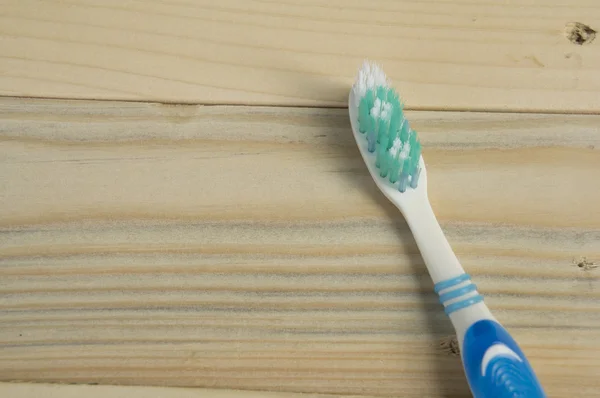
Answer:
(495, 365)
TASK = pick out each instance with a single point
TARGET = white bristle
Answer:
(376, 110)
(396, 147)
(386, 111)
(369, 77)
(381, 109)
(405, 151)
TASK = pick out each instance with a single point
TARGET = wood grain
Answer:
(26, 390)
(441, 54)
(247, 248)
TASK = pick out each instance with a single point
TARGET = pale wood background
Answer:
(246, 247)
(443, 54)
(27, 390)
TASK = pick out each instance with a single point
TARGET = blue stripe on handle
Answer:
(463, 304)
(452, 292)
(438, 287)
(457, 293)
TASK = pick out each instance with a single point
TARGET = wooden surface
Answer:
(443, 54)
(25, 390)
(247, 248)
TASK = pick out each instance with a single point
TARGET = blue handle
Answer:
(495, 365)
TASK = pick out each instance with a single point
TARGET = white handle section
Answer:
(439, 257)
(443, 266)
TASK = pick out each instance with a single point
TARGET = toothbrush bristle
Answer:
(388, 133)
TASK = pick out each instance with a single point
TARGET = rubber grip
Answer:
(495, 365)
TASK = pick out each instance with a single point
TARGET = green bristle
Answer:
(400, 167)
(363, 115)
(412, 141)
(403, 184)
(383, 157)
(370, 96)
(395, 168)
(364, 110)
(404, 130)
(395, 120)
(412, 137)
(415, 155)
(382, 93)
(393, 135)
(392, 96)
(400, 103)
(384, 144)
(384, 168)
(406, 166)
(383, 131)
(373, 124)
(393, 128)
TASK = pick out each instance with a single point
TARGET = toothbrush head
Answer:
(388, 144)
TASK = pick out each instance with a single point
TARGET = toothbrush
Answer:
(494, 364)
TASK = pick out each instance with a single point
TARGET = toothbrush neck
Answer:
(458, 294)
(439, 257)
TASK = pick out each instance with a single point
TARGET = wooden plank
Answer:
(441, 54)
(247, 248)
(24, 390)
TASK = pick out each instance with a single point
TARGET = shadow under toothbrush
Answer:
(451, 382)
